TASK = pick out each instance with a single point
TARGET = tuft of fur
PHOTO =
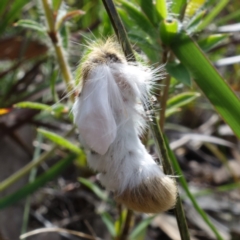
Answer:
(110, 118)
(153, 195)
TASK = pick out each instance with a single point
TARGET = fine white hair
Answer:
(110, 118)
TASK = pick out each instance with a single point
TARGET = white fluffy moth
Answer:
(110, 117)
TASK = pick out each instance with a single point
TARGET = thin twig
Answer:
(156, 132)
(163, 101)
(58, 230)
(59, 51)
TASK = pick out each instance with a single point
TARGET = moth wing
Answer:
(94, 116)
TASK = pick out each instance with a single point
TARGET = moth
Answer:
(110, 118)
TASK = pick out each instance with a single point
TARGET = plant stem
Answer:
(163, 101)
(156, 132)
(127, 226)
(190, 196)
(32, 177)
(59, 51)
(27, 168)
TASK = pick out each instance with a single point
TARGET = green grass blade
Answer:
(229, 17)
(139, 231)
(61, 141)
(108, 221)
(180, 100)
(212, 14)
(161, 6)
(208, 79)
(211, 41)
(33, 105)
(139, 18)
(94, 188)
(3, 6)
(40, 181)
(149, 9)
(190, 196)
(177, 6)
(16, 7)
(27, 23)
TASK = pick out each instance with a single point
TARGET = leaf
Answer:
(31, 24)
(56, 4)
(179, 72)
(39, 181)
(68, 16)
(33, 105)
(212, 14)
(107, 219)
(61, 141)
(182, 99)
(177, 6)
(208, 79)
(211, 41)
(195, 21)
(94, 188)
(64, 32)
(15, 8)
(150, 49)
(120, 222)
(161, 6)
(149, 9)
(139, 231)
(139, 18)
(3, 6)
(169, 112)
(193, 6)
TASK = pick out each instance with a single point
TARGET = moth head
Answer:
(101, 52)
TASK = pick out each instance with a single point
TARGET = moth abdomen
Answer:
(152, 195)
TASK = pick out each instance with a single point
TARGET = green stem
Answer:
(27, 168)
(32, 177)
(190, 196)
(59, 51)
(163, 101)
(127, 226)
(156, 132)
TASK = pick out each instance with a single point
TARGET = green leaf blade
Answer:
(182, 99)
(60, 141)
(94, 188)
(139, 18)
(208, 79)
(107, 219)
(179, 72)
(27, 23)
(140, 230)
(33, 105)
(211, 41)
(150, 11)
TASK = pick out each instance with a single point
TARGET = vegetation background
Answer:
(45, 181)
